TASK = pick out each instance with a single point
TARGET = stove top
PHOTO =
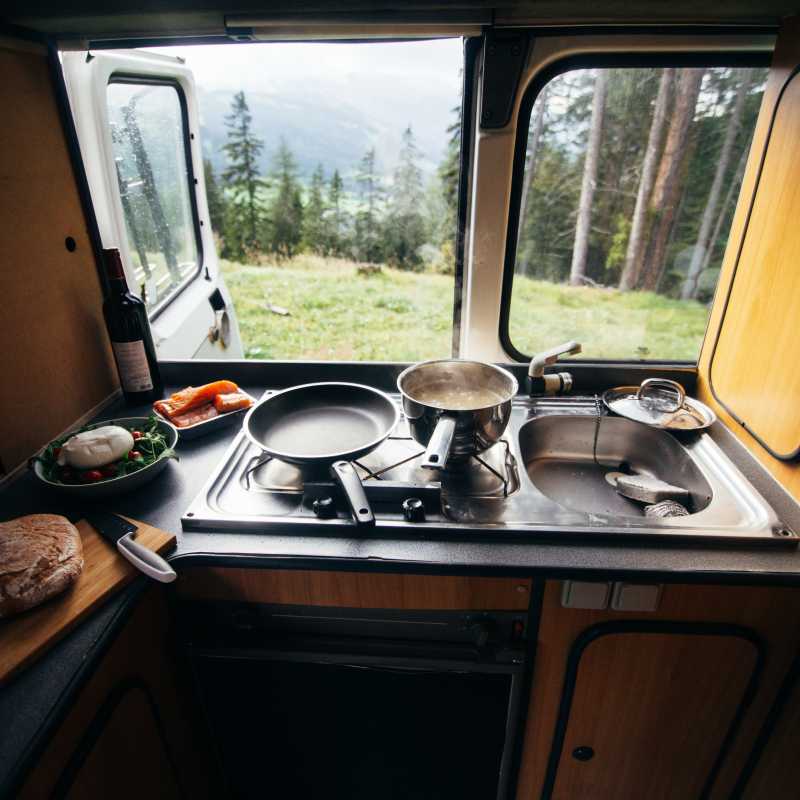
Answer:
(250, 486)
(490, 495)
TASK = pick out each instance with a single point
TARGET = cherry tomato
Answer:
(109, 471)
(92, 475)
(135, 455)
(56, 452)
(136, 435)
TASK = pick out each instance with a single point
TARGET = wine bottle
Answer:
(131, 340)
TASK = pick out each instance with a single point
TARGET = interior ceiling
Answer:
(99, 19)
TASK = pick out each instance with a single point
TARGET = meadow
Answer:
(326, 309)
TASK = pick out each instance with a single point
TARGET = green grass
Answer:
(337, 313)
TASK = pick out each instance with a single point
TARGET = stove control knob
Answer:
(324, 508)
(413, 509)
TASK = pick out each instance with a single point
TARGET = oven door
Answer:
(361, 717)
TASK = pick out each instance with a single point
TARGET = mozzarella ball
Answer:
(96, 448)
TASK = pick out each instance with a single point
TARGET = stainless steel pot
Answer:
(456, 408)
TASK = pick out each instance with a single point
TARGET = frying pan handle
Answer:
(438, 449)
(344, 473)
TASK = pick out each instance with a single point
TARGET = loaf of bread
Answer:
(40, 555)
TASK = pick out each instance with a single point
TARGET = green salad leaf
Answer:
(147, 449)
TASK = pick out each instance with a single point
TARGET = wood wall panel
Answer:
(755, 367)
(773, 612)
(354, 589)
(55, 362)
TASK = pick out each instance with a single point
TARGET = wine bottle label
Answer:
(134, 371)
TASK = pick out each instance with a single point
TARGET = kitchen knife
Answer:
(120, 532)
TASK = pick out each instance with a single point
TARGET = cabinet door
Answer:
(773, 770)
(125, 754)
(648, 709)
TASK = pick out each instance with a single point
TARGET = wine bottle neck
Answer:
(115, 272)
(118, 285)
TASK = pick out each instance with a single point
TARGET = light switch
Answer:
(585, 594)
(636, 596)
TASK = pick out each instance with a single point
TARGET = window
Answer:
(631, 176)
(150, 153)
(331, 173)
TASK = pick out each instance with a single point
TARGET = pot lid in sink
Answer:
(660, 403)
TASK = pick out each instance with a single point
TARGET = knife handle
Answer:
(144, 559)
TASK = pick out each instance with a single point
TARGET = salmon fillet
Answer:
(194, 416)
(193, 397)
(231, 402)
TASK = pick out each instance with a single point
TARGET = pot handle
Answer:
(438, 450)
(344, 473)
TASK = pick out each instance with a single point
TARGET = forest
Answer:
(630, 183)
(632, 176)
(406, 222)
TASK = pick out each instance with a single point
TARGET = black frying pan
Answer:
(325, 425)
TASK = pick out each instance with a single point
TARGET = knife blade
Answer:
(120, 532)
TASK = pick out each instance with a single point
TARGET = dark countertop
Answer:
(32, 703)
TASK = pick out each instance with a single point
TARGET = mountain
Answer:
(324, 127)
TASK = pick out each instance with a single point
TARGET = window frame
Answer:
(589, 60)
(132, 78)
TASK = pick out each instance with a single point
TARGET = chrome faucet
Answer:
(540, 384)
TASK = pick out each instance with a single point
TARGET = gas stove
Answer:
(250, 488)
(489, 496)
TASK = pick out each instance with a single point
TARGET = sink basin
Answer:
(567, 459)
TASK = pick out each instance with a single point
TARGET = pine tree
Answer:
(689, 290)
(449, 170)
(367, 224)
(637, 239)
(314, 221)
(245, 212)
(215, 198)
(669, 184)
(337, 228)
(533, 155)
(286, 209)
(589, 183)
(406, 232)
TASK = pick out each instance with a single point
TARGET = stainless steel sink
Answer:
(568, 457)
(566, 469)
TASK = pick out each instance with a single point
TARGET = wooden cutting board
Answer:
(25, 637)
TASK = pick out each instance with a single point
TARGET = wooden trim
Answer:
(355, 589)
(751, 366)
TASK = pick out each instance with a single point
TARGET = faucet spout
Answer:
(540, 361)
(557, 383)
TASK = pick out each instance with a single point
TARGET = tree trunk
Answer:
(723, 211)
(666, 191)
(537, 126)
(689, 290)
(581, 246)
(636, 240)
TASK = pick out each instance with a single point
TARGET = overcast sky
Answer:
(430, 66)
(390, 84)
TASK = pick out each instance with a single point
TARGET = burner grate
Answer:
(268, 474)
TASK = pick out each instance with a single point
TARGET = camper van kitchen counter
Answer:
(494, 513)
(566, 485)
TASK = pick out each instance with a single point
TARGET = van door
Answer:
(138, 126)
